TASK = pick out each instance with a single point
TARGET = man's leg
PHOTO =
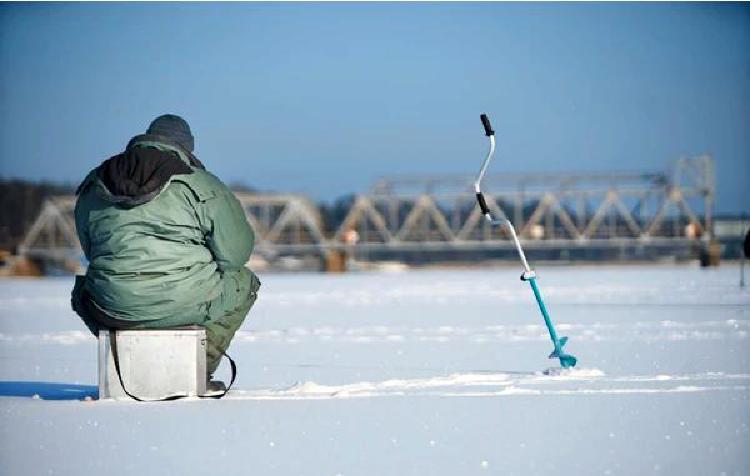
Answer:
(239, 291)
(78, 305)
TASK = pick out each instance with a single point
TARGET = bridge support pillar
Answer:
(335, 261)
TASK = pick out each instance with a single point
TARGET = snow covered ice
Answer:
(421, 372)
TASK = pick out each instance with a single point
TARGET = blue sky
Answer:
(325, 98)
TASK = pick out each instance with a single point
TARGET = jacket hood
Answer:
(139, 174)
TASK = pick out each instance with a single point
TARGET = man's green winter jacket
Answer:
(158, 250)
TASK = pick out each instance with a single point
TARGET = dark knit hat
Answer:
(173, 127)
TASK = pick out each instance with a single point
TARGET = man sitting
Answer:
(166, 242)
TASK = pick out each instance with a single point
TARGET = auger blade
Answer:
(567, 360)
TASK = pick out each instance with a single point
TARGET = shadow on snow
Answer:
(48, 390)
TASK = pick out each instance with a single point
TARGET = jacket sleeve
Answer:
(81, 217)
(228, 234)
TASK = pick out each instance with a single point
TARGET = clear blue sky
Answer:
(325, 98)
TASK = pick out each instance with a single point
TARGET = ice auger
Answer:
(566, 360)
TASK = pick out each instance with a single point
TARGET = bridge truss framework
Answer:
(423, 214)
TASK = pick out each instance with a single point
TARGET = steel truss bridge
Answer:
(407, 214)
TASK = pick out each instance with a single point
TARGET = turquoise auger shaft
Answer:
(566, 360)
(543, 308)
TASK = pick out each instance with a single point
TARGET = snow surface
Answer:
(421, 372)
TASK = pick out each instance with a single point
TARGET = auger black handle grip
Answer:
(482, 203)
(487, 126)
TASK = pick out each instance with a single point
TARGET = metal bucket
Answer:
(154, 364)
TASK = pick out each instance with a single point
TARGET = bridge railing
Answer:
(546, 209)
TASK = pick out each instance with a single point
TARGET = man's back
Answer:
(159, 233)
(149, 261)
